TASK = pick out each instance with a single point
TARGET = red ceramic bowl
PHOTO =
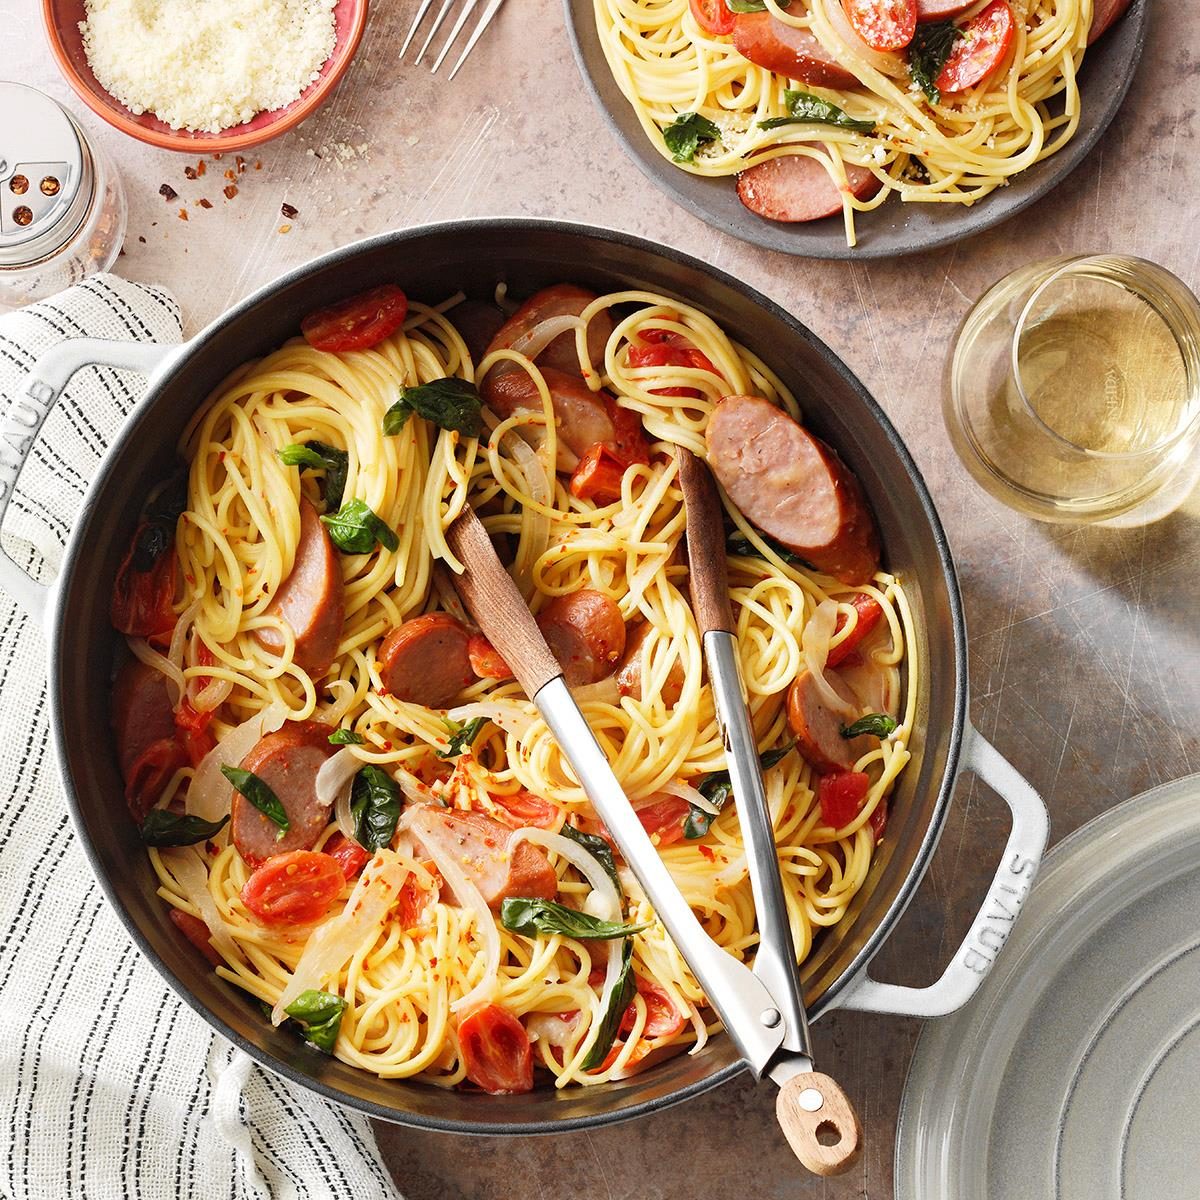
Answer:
(62, 19)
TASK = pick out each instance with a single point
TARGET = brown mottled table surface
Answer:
(1083, 643)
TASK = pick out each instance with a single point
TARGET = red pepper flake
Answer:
(201, 167)
(707, 851)
(183, 214)
(258, 164)
(230, 190)
(433, 961)
(288, 211)
(190, 172)
(167, 192)
(204, 202)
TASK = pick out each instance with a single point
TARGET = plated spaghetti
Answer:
(357, 815)
(822, 107)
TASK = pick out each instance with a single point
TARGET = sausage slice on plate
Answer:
(773, 44)
(479, 845)
(426, 660)
(310, 599)
(633, 665)
(794, 187)
(1104, 15)
(586, 633)
(818, 729)
(141, 712)
(287, 761)
(561, 300)
(793, 487)
(942, 10)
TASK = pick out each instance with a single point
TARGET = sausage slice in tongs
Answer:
(761, 1009)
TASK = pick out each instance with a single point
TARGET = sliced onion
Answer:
(685, 791)
(343, 691)
(815, 645)
(551, 1029)
(469, 897)
(212, 695)
(539, 488)
(209, 793)
(179, 639)
(191, 873)
(334, 784)
(414, 788)
(603, 691)
(533, 342)
(144, 652)
(335, 943)
(506, 714)
(700, 1027)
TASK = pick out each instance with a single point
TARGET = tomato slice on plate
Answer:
(666, 348)
(841, 795)
(358, 323)
(713, 16)
(665, 818)
(663, 1019)
(296, 888)
(486, 660)
(598, 476)
(883, 24)
(495, 1051)
(526, 809)
(869, 614)
(150, 773)
(347, 853)
(980, 50)
(142, 599)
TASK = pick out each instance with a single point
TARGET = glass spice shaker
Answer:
(62, 207)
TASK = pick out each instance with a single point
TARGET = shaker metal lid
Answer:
(46, 176)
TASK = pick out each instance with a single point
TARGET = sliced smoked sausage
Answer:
(793, 487)
(287, 761)
(585, 632)
(1104, 15)
(561, 300)
(818, 729)
(794, 187)
(768, 42)
(426, 660)
(141, 712)
(310, 599)
(479, 845)
(942, 10)
(633, 665)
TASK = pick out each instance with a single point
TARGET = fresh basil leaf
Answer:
(451, 403)
(164, 828)
(685, 134)
(619, 997)
(878, 724)
(157, 531)
(355, 529)
(927, 54)
(717, 788)
(462, 736)
(751, 6)
(346, 737)
(737, 544)
(321, 1016)
(322, 457)
(807, 109)
(169, 504)
(260, 795)
(375, 801)
(533, 916)
(598, 848)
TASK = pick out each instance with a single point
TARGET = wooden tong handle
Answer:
(709, 572)
(819, 1123)
(493, 600)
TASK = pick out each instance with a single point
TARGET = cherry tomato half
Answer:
(358, 323)
(486, 661)
(663, 1019)
(526, 809)
(883, 24)
(296, 888)
(495, 1051)
(665, 348)
(713, 16)
(665, 818)
(869, 614)
(150, 773)
(980, 50)
(598, 476)
(347, 853)
(841, 795)
(141, 601)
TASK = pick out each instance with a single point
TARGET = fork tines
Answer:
(468, 7)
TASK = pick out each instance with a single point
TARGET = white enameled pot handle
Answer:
(30, 407)
(990, 929)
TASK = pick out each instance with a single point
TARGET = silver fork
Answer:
(468, 7)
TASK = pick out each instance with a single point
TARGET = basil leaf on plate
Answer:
(157, 530)
(260, 795)
(686, 133)
(321, 457)
(807, 109)
(164, 828)
(927, 54)
(878, 724)
(321, 1016)
(346, 737)
(462, 736)
(451, 403)
(615, 1003)
(375, 801)
(598, 848)
(355, 529)
(533, 916)
(740, 546)
(751, 6)
(717, 787)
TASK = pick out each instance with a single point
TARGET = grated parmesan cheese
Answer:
(207, 66)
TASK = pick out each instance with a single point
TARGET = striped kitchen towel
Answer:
(111, 1087)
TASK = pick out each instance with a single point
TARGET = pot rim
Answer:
(178, 361)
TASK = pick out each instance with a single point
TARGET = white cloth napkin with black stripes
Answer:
(111, 1087)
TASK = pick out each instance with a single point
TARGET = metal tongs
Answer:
(762, 1009)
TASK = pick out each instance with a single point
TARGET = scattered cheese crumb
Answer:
(207, 66)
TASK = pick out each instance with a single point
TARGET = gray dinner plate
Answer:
(1074, 1074)
(894, 228)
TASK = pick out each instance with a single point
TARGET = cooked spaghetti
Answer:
(407, 951)
(926, 146)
